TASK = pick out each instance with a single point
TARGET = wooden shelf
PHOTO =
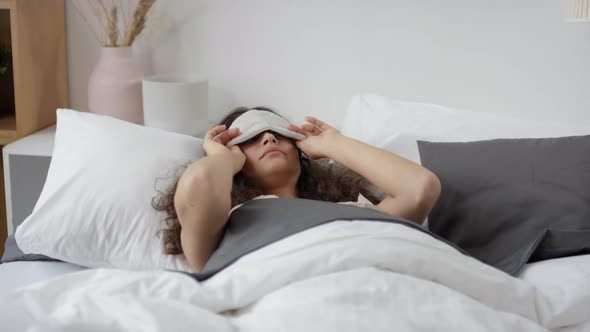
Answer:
(39, 63)
(7, 129)
(36, 33)
(6, 4)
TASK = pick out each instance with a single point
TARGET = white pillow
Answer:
(95, 207)
(396, 125)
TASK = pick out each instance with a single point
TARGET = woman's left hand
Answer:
(319, 136)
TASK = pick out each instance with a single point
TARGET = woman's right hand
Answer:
(215, 141)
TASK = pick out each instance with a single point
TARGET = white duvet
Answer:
(340, 276)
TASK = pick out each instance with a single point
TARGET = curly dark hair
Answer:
(320, 179)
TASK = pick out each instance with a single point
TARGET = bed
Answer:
(357, 273)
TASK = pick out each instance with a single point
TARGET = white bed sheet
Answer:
(14, 275)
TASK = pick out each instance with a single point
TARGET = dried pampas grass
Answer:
(139, 18)
(111, 35)
(113, 27)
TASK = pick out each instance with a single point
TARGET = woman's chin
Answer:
(275, 164)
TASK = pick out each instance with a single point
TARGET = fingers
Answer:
(299, 130)
(320, 124)
(294, 128)
(236, 149)
(311, 129)
(219, 134)
(226, 136)
(214, 131)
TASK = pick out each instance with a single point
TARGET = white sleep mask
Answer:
(254, 122)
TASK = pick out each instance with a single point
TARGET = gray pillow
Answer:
(512, 201)
(12, 253)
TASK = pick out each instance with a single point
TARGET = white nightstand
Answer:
(26, 162)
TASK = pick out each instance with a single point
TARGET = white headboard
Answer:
(309, 57)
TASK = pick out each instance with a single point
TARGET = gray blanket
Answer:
(260, 222)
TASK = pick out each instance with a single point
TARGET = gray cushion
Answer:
(511, 201)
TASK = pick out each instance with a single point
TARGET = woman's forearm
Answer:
(202, 202)
(395, 175)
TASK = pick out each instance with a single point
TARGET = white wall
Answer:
(514, 57)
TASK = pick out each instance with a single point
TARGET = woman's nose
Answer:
(268, 136)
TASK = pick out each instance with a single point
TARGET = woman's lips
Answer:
(270, 151)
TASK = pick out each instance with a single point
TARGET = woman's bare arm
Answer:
(412, 189)
(203, 196)
(202, 202)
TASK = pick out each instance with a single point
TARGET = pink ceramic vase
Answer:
(114, 87)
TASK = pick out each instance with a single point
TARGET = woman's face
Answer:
(271, 159)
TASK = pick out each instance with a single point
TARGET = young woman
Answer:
(272, 165)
